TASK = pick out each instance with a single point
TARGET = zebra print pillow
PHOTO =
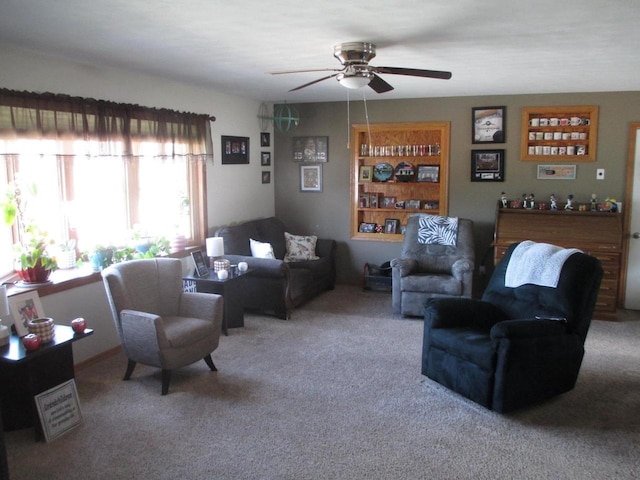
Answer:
(437, 230)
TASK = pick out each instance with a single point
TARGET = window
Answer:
(100, 190)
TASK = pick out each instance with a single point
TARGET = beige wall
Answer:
(235, 192)
(327, 214)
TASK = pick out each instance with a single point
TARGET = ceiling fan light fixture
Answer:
(355, 81)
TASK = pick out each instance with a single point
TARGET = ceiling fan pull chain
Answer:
(348, 124)
(366, 115)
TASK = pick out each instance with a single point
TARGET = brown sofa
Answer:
(275, 286)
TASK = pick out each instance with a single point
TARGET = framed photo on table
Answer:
(489, 124)
(201, 267)
(25, 307)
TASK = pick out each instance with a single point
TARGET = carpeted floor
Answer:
(336, 393)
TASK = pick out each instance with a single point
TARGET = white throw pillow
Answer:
(300, 247)
(261, 249)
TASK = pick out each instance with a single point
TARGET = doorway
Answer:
(632, 221)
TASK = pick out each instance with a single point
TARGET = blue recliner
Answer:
(515, 346)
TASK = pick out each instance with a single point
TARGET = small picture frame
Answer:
(364, 200)
(202, 270)
(391, 225)
(235, 150)
(25, 307)
(487, 165)
(412, 204)
(557, 172)
(489, 124)
(429, 173)
(265, 159)
(374, 200)
(266, 176)
(311, 178)
(365, 174)
(365, 227)
(265, 139)
(388, 202)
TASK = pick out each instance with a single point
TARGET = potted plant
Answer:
(66, 256)
(33, 263)
(100, 257)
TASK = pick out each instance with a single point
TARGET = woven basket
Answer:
(43, 327)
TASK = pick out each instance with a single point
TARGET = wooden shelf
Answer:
(559, 134)
(396, 143)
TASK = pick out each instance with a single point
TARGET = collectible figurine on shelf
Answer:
(569, 205)
(554, 202)
(611, 204)
(532, 200)
(524, 200)
(594, 202)
(503, 200)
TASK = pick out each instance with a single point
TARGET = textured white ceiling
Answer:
(491, 46)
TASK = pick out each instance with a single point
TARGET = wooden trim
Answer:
(628, 207)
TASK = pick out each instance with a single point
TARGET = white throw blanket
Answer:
(536, 263)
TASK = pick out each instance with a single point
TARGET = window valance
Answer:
(57, 116)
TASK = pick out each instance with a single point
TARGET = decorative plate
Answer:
(383, 172)
(405, 172)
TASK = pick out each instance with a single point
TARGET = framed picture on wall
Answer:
(310, 178)
(235, 150)
(265, 159)
(311, 149)
(487, 165)
(488, 124)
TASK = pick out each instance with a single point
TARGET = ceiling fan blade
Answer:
(414, 72)
(379, 85)
(305, 71)
(311, 83)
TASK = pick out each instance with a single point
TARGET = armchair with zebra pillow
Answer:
(437, 259)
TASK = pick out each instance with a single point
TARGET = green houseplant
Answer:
(33, 263)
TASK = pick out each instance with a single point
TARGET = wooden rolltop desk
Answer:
(596, 233)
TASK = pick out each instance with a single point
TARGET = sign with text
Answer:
(59, 410)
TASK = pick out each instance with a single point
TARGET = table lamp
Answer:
(215, 251)
(4, 311)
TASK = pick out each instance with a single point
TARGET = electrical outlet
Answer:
(600, 174)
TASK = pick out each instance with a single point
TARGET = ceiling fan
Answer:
(357, 73)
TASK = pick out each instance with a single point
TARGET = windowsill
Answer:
(70, 278)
